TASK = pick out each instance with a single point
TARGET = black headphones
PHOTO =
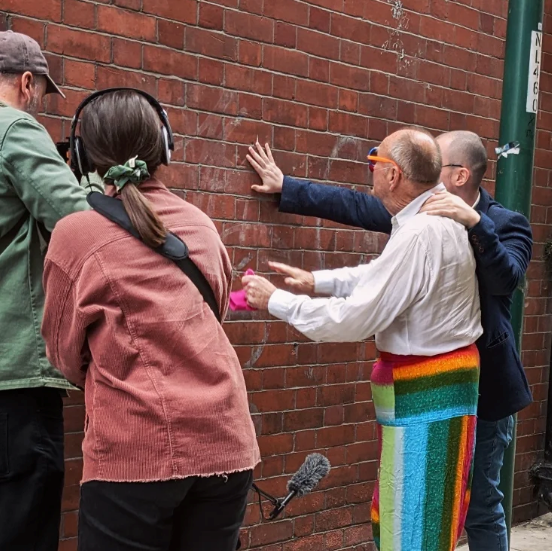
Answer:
(79, 160)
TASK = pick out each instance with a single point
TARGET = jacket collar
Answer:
(484, 201)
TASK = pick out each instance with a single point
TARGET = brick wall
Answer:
(321, 80)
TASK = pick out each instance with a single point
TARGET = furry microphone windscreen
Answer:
(311, 472)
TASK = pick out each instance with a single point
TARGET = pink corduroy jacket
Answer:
(164, 390)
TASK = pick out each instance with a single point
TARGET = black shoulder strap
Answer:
(174, 248)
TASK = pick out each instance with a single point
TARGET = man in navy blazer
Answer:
(502, 245)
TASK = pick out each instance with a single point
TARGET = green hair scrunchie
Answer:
(133, 171)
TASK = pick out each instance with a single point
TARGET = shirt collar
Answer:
(414, 207)
(477, 201)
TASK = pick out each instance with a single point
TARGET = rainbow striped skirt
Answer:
(426, 411)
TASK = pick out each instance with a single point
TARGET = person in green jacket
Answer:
(37, 189)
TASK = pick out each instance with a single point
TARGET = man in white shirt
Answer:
(420, 300)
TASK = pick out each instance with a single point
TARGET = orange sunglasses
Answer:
(373, 159)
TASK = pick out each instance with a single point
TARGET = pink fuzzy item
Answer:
(238, 300)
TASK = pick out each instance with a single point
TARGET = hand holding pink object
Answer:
(238, 300)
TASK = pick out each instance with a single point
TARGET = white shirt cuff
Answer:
(280, 303)
(324, 282)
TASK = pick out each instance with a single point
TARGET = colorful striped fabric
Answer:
(426, 413)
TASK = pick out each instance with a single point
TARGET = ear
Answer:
(26, 84)
(462, 177)
(395, 177)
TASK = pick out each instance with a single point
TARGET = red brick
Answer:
(34, 29)
(317, 94)
(170, 34)
(319, 20)
(284, 87)
(250, 80)
(205, 152)
(79, 14)
(285, 35)
(183, 10)
(283, 112)
(49, 10)
(211, 44)
(250, 106)
(211, 71)
(350, 77)
(288, 10)
(319, 69)
(318, 44)
(285, 61)
(130, 4)
(252, 6)
(210, 16)
(79, 74)
(212, 99)
(350, 28)
(171, 91)
(271, 532)
(127, 53)
(110, 77)
(126, 23)
(169, 62)
(249, 26)
(82, 45)
(250, 53)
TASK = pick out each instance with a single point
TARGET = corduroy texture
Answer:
(164, 390)
(426, 414)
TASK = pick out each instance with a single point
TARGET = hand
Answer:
(258, 291)
(263, 162)
(449, 205)
(299, 280)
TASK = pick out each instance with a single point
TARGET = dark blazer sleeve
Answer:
(352, 208)
(502, 242)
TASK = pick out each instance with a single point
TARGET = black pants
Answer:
(193, 514)
(31, 469)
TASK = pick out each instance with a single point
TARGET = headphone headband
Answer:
(76, 161)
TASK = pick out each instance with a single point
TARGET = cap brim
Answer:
(52, 87)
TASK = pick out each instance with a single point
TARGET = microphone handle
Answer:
(281, 505)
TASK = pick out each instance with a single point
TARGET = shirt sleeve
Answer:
(38, 174)
(340, 282)
(63, 326)
(385, 289)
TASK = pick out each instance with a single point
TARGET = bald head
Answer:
(466, 149)
(417, 154)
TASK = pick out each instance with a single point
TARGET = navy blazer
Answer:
(502, 245)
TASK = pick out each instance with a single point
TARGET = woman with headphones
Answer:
(169, 446)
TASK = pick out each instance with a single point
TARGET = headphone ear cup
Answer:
(167, 149)
(82, 159)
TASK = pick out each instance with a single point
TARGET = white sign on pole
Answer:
(534, 72)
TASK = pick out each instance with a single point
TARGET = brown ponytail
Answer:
(119, 126)
(143, 217)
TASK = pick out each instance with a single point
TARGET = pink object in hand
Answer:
(238, 301)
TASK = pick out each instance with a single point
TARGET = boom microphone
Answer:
(310, 473)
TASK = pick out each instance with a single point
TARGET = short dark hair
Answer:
(467, 149)
(418, 155)
(114, 128)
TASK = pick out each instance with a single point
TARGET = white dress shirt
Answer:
(420, 297)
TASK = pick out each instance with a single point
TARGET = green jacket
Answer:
(36, 190)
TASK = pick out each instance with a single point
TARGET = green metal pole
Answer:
(515, 172)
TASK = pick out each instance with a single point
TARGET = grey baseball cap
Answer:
(20, 53)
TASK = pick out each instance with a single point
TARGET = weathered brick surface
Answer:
(322, 80)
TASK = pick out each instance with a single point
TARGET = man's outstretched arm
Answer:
(352, 208)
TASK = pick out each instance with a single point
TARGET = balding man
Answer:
(502, 245)
(420, 300)
(36, 190)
